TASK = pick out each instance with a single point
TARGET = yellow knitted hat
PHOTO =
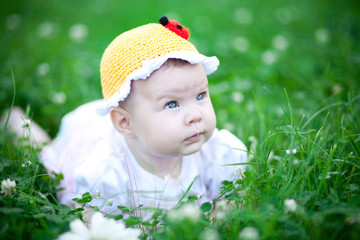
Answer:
(137, 53)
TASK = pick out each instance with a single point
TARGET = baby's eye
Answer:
(171, 104)
(200, 96)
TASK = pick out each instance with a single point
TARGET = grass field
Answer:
(288, 86)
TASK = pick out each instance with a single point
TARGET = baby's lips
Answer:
(193, 138)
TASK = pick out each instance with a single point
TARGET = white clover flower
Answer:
(252, 139)
(78, 32)
(327, 176)
(209, 234)
(13, 21)
(279, 110)
(241, 44)
(220, 210)
(268, 57)
(27, 163)
(280, 42)
(59, 98)
(220, 216)
(8, 187)
(174, 216)
(284, 15)
(43, 69)
(238, 97)
(250, 106)
(243, 16)
(221, 205)
(46, 30)
(290, 205)
(100, 228)
(249, 233)
(300, 95)
(97, 194)
(243, 84)
(190, 211)
(229, 126)
(337, 89)
(239, 173)
(273, 156)
(293, 151)
(109, 202)
(322, 35)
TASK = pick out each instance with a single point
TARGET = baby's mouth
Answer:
(194, 137)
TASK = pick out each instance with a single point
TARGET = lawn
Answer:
(288, 86)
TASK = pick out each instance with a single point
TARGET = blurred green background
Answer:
(273, 54)
(310, 48)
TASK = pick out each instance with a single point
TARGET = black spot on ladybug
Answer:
(179, 26)
(164, 20)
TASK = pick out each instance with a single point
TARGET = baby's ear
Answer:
(121, 120)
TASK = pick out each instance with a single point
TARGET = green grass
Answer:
(288, 79)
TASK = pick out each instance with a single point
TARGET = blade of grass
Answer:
(11, 107)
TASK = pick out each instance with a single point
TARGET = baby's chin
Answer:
(194, 148)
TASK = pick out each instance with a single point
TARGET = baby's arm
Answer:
(224, 156)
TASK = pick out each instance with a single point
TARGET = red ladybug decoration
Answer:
(175, 27)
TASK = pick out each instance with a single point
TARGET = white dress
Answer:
(94, 158)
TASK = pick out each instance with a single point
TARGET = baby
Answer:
(155, 139)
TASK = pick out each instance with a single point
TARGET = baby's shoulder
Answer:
(224, 147)
(106, 166)
(82, 128)
(225, 139)
(84, 112)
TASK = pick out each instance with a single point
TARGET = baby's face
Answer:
(171, 112)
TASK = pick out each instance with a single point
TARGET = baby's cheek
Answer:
(163, 130)
(211, 118)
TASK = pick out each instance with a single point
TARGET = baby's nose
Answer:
(193, 116)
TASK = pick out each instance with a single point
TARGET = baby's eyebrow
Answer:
(173, 93)
(203, 87)
(206, 85)
(166, 96)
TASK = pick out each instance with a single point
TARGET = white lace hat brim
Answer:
(210, 65)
